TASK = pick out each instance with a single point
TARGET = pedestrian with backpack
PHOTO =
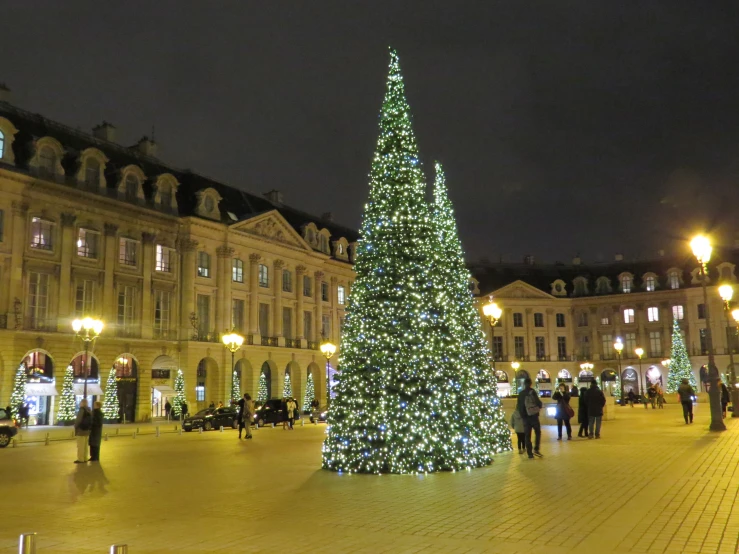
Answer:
(529, 405)
(82, 427)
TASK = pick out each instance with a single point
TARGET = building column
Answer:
(224, 277)
(334, 303)
(299, 274)
(64, 312)
(508, 347)
(188, 259)
(15, 300)
(147, 316)
(642, 339)
(529, 348)
(318, 282)
(110, 231)
(277, 284)
(254, 296)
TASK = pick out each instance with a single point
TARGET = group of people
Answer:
(655, 396)
(525, 418)
(88, 428)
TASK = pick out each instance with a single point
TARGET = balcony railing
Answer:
(269, 341)
(314, 345)
(292, 343)
(40, 324)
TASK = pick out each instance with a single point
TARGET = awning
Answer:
(93, 389)
(164, 389)
(41, 389)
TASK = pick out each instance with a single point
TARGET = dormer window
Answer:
(165, 196)
(581, 286)
(673, 278)
(627, 282)
(7, 134)
(208, 200)
(650, 283)
(726, 272)
(341, 249)
(558, 288)
(47, 161)
(603, 285)
(92, 172)
(132, 187)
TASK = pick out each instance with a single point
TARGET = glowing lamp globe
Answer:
(328, 349)
(735, 314)
(492, 311)
(639, 352)
(618, 345)
(726, 292)
(702, 248)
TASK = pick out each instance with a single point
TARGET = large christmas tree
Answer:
(110, 401)
(262, 393)
(235, 388)
(66, 412)
(403, 402)
(18, 396)
(179, 394)
(287, 389)
(680, 367)
(483, 404)
(310, 394)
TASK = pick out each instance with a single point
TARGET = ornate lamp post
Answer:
(618, 346)
(727, 292)
(492, 312)
(328, 349)
(233, 342)
(639, 351)
(702, 250)
(88, 329)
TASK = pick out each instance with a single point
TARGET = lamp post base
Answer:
(735, 402)
(717, 426)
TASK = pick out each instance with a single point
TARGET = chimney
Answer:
(576, 260)
(328, 216)
(661, 253)
(147, 147)
(274, 196)
(528, 260)
(619, 257)
(105, 131)
(4, 93)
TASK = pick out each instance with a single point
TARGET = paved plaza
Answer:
(651, 484)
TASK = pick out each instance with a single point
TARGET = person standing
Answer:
(660, 397)
(96, 432)
(573, 392)
(596, 400)
(82, 426)
(562, 397)
(246, 408)
(582, 413)
(167, 409)
(291, 407)
(518, 427)
(631, 397)
(528, 405)
(652, 394)
(183, 410)
(686, 393)
(725, 397)
(315, 412)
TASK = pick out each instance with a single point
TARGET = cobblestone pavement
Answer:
(651, 484)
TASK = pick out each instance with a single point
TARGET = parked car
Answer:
(7, 428)
(212, 418)
(272, 411)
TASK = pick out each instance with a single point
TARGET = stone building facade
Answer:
(168, 259)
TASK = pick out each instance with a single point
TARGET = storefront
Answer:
(504, 387)
(126, 375)
(630, 379)
(544, 382)
(40, 388)
(89, 372)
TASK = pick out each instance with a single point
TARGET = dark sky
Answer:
(565, 127)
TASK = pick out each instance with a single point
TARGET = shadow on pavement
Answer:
(88, 478)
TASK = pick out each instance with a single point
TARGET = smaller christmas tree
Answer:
(287, 389)
(18, 396)
(680, 367)
(310, 394)
(110, 402)
(66, 413)
(262, 395)
(179, 394)
(235, 388)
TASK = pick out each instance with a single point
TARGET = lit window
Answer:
(653, 313)
(674, 278)
(629, 315)
(92, 172)
(128, 252)
(626, 283)
(341, 248)
(163, 259)
(263, 276)
(41, 234)
(203, 264)
(605, 320)
(132, 187)
(237, 271)
(87, 243)
(650, 283)
(200, 392)
(677, 312)
(341, 295)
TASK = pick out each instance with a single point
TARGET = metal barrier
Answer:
(27, 545)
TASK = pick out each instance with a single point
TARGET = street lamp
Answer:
(639, 351)
(493, 312)
(727, 292)
(328, 349)
(233, 342)
(88, 329)
(618, 346)
(702, 250)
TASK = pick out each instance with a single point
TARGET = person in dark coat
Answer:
(725, 397)
(96, 432)
(686, 393)
(631, 397)
(582, 413)
(573, 392)
(562, 397)
(596, 400)
(167, 408)
(183, 410)
(528, 398)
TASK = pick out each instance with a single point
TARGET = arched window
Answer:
(92, 172)
(47, 161)
(165, 196)
(132, 187)
(650, 283)
(603, 285)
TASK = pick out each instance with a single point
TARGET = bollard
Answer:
(221, 428)
(175, 427)
(273, 425)
(302, 422)
(46, 442)
(117, 430)
(180, 431)
(27, 544)
(134, 434)
(200, 430)
(137, 429)
(118, 549)
(157, 431)
(106, 436)
(15, 443)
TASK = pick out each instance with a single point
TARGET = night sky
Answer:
(567, 127)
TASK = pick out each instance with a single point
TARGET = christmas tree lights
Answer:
(310, 394)
(18, 396)
(680, 367)
(235, 388)
(404, 402)
(110, 401)
(179, 394)
(262, 394)
(287, 389)
(66, 412)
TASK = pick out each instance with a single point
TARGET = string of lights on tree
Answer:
(262, 393)
(287, 388)
(179, 394)
(235, 388)
(66, 412)
(110, 401)
(310, 393)
(680, 367)
(18, 395)
(405, 397)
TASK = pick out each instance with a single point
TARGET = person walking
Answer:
(686, 393)
(183, 410)
(246, 409)
(582, 413)
(596, 400)
(660, 397)
(631, 397)
(292, 406)
(315, 412)
(529, 405)
(167, 409)
(518, 427)
(725, 397)
(652, 394)
(564, 411)
(82, 426)
(96, 432)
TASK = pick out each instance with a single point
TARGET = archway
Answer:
(163, 372)
(265, 386)
(89, 371)
(504, 385)
(521, 376)
(585, 376)
(247, 378)
(544, 383)
(297, 384)
(126, 373)
(314, 371)
(630, 380)
(206, 376)
(609, 382)
(40, 387)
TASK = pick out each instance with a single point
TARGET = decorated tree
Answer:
(66, 412)
(235, 388)
(262, 393)
(110, 401)
(287, 389)
(18, 395)
(404, 401)
(179, 394)
(310, 393)
(680, 367)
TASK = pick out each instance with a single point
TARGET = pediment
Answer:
(271, 226)
(520, 289)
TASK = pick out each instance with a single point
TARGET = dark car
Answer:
(7, 428)
(212, 418)
(272, 411)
